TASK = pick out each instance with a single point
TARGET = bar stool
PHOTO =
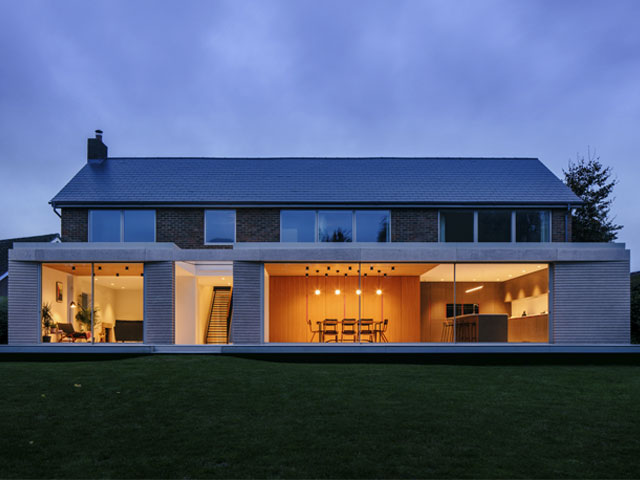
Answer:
(447, 331)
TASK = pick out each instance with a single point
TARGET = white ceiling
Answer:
(481, 272)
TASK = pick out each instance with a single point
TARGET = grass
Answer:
(226, 417)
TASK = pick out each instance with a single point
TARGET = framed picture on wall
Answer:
(59, 292)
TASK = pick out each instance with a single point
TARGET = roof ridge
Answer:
(323, 158)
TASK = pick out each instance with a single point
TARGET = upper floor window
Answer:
(456, 226)
(298, 226)
(499, 225)
(533, 226)
(122, 225)
(219, 226)
(494, 225)
(334, 226)
(372, 225)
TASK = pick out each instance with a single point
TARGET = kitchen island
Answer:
(530, 328)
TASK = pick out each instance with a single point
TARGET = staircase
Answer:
(218, 328)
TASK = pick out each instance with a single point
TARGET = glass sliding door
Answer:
(118, 305)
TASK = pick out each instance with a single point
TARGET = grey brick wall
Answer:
(74, 225)
(258, 225)
(414, 225)
(558, 226)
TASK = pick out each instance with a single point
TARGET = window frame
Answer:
(121, 210)
(354, 233)
(513, 211)
(235, 225)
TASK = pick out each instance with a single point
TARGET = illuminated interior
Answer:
(406, 303)
(203, 302)
(108, 311)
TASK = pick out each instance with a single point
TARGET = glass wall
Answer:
(118, 305)
(406, 302)
(77, 310)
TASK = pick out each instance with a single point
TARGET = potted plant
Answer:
(83, 316)
(47, 322)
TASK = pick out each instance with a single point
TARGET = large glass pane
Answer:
(298, 225)
(456, 226)
(494, 225)
(372, 226)
(220, 226)
(502, 303)
(335, 226)
(532, 226)
(139, 225)
(104, 226)
(66, 302)
(118, 307)
(436, 303)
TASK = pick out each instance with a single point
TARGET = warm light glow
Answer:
(474, 289)
(317, 292)
(337, 291)
(358, 292)
(72, 304)
(378, 292)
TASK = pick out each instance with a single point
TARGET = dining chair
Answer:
(367, 329)
(349, 329)
(381, 330)
(330, 329)
(313, 332)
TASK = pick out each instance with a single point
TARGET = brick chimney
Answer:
(96, 150)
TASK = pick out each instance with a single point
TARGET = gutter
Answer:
(566, 223)
(54, 210)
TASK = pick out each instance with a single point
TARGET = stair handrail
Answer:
(208, 322)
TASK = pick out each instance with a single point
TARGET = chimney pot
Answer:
(96, 150)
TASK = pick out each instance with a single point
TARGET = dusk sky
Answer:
(544, 79)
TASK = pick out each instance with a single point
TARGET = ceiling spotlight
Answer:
(378, 292)
(337, 291)
(126, 267)
(317, 292)
(393, 268)
(306, 268)
(358, 292)
(306, 275)
(349, 267)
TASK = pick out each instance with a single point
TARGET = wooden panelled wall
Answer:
(288, 297)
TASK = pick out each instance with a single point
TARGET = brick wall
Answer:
(258, 225)
(557, 226)
(414, 225)
(73, 225)
(185, 226)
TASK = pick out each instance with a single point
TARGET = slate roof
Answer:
(7, 244)
(281, 181)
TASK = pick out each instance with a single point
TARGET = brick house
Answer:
(268, 251)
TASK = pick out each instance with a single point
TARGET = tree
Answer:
(592, 182)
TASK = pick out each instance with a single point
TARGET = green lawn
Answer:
(215, 416)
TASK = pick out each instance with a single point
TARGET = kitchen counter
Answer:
(490, 327)
(532, 328)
